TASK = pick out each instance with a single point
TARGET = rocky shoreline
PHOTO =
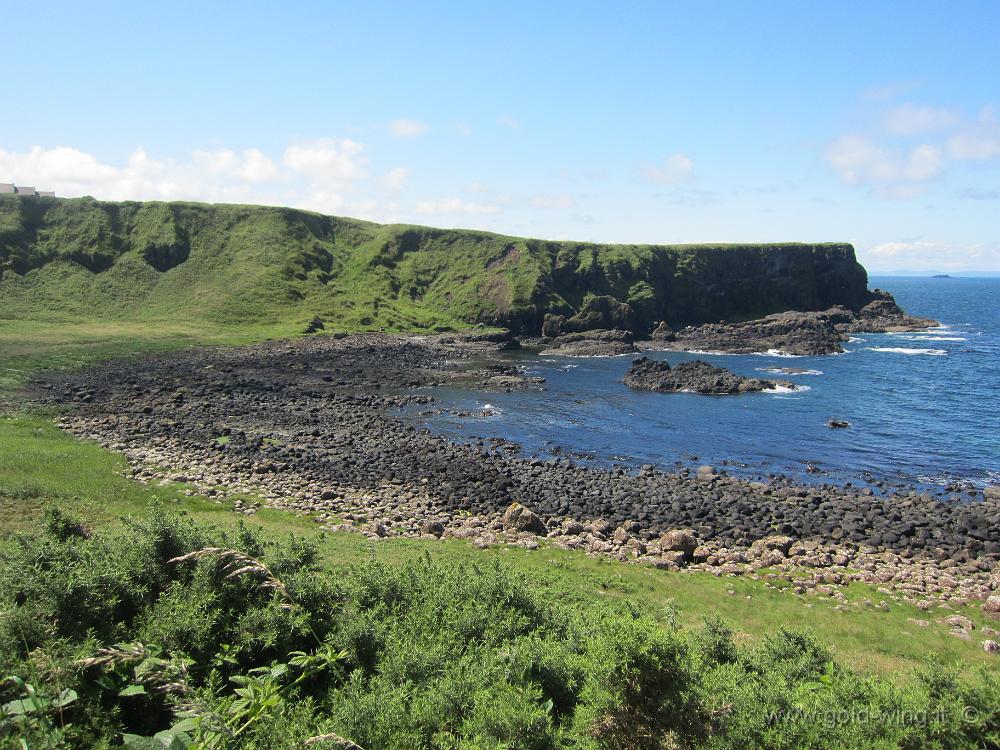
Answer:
(309, 426)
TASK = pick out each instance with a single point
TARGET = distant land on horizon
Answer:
(933, 273)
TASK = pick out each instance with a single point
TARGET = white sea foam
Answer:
(787, 389)
(783, 371)
(904, 350)
(937, 338)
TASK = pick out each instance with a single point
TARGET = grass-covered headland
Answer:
(231, 270)
(173, 633)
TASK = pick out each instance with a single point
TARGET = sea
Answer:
(923, 408)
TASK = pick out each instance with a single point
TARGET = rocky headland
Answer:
(311, 426)
(793, 332)
(696, 376)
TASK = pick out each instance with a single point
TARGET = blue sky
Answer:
(873, 123)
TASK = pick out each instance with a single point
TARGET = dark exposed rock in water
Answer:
(592, 344)
(838, 424)
(697, 376)
(798, 333)
(882, 314)
(792, 333)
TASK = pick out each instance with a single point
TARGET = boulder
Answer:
(991, 607)
(780, 544)
(519, 518)
(992, 493)
(701, 554)
(679, 540)
(959, 621)
(433, 528)
(675, 557)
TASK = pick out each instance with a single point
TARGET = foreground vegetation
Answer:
(172, 633)
(414, 644)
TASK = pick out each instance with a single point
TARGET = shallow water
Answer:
(923, 407)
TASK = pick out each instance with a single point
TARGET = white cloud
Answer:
(914, 119)
(395, 178)
(454, 206)
(553, 201)
(859, 161)
(978, 141)
(317, 175)
(407, 128)
(509, 122)
(463, 129)
(477, 187)
(330, 159)
(923, 255)
(251, 165)
(674, 170)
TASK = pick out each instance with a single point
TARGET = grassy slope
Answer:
(221, 268)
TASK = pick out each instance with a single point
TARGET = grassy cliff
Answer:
(226, 266)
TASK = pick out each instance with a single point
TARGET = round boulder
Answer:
(519, 518)
(679, 540)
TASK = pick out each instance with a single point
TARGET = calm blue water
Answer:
(923, 407)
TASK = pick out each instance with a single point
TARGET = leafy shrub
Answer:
(174, 634)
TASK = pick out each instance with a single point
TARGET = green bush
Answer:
(243, 642)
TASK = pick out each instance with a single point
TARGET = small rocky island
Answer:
(696, 376)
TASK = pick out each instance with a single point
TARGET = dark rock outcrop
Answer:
(696, 376)
(800, 333)
(882, 314)
(797, 333)
(600, 343)
(663, 332)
